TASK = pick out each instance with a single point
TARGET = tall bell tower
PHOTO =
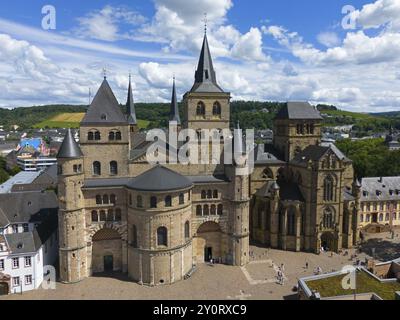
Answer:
(206, 105)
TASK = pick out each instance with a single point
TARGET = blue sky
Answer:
(263, 50)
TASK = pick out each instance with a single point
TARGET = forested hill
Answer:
(251, 114)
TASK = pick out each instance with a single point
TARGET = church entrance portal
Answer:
(328, 241)
(207, 242)
(106, 251)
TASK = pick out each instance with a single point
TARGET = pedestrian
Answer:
(306, 265)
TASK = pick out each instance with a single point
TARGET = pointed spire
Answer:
(205, 77)
(174, 113)
(69, 148)
(131, 105)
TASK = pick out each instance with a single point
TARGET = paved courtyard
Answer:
(256, 281)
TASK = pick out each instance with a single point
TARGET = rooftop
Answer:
(298, 111)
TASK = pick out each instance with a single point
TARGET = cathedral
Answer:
(119, 213)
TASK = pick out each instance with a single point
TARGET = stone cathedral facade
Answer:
(118, 213)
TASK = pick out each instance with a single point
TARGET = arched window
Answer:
(267, 174)
(105, 199)
(110, 215)
(162, 236)
(168, 201)
(96, 168)
(118, 136)
(95, 216)
(199, 211)
(220, 210)
(203, 194)
(216, 109)
(90, 136)
(187, 230)
(361, 218)
(113, 199)
(206, 210)
(201, 109)
(328, 219)
(213, 210)
(368, 218)
(97, 136)
(103, 215)
(381, 217)
(98, 199)
(291, 222)
(328, 189)
(153, 202)
(134, 237)
(113, 167)
(181, 198)
(118, 215)
(215, 194)
(111, 136)
(103, 117)
(139, 201)
(209, 194)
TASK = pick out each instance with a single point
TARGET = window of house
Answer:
(111, 136)
(162, 236)
(113, 199)
(215, 194)
(97, 136)
(118, 136)
(28, 261)
(103, 117)
(15, 263)
(181, 198)
(106, 199)
(15, 281)
(26, 227)
(15, 228)
(1, 264)
(90, 136)
(28, 279)
(98, 199)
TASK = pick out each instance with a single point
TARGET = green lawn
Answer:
(358, 116)
(332, 286)
(66, 120)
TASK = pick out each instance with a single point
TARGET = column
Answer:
(284, 230)
(298, 229)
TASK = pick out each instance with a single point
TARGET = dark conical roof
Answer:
(69, 148)
(205, 77)
(174, 113)
(104, 108)
(131, 106)
(158, 179)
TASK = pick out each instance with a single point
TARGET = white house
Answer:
(28, 239)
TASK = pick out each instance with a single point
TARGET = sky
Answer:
(340, 52)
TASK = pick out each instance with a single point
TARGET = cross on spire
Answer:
(205, 23)
(105, 73)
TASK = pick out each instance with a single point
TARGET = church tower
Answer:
(71, 218)
(131, 113)
(206, 105)
(105, 135)
(174, 115)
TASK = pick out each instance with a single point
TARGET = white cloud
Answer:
(380, 13)
(328, 39)
(104, 24)
(249, 46)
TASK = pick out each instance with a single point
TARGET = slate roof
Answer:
(208, 179)
(205, 77)
(315, 153)
(23, 177)
(298, 111)
(159, 179)
(26, 207)
(26, 242)
(99, 183)
(389, 187)
(131, 106)
(104, 103)
(69, 148)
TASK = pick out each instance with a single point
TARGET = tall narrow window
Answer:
(187, 230)
(162, 236)
(181, 198)
(139, 201)
(97, 136)
(216, 109)
(203, 194)
(213, 210)
(153, 202)
(220, 210)
(98, 199)
(328, 189)
(134, 237)
(103, 215)
(201, 109)
(90, 136)
(291, 222)
(168, 201)
(96, 168)
(113, 168)
(199, 211)
(111, 136)
(209, 194)
(95, 216)
(106, 199)
(118, 136)
(206, 210)
(328, 219)
(118, 214)
(110, 215)
(215, 194)
(113, 199)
